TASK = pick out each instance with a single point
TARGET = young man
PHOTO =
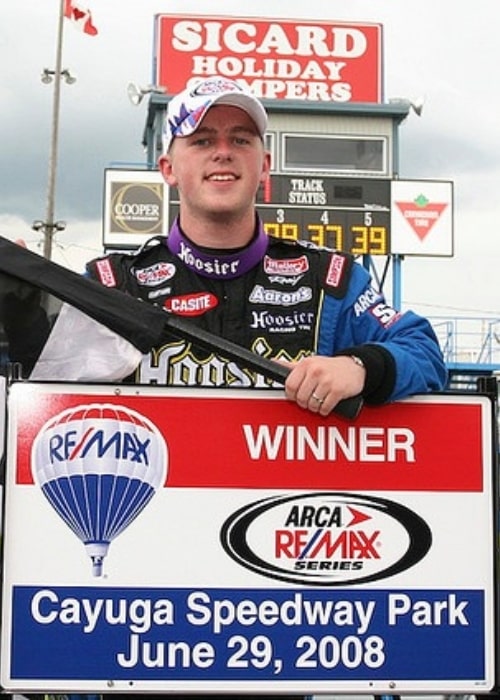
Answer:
(315, 310)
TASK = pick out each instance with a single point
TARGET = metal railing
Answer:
(468, 341)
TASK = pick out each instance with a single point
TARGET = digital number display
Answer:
(351, 232)
(350, 215)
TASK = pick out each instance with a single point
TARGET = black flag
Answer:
(144, 325)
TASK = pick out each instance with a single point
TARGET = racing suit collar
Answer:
(217, 265)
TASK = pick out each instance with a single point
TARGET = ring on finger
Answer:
(317, 398)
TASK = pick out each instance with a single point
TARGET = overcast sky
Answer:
(446, 51)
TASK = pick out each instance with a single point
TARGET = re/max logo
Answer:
(120, 444)
(349, 544)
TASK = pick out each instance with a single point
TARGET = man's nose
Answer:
(223, 149)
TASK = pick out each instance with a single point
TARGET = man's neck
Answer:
(217, 263)
(220, 232)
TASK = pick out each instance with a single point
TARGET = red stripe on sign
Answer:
(230, 442)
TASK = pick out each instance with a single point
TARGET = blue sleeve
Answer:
(400, 350)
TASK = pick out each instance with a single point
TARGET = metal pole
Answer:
(396, 281)
(52, 171)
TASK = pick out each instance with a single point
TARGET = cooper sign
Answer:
(277, 59)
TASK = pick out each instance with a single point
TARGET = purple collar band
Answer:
(217, 265)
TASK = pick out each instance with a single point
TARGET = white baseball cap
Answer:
(186, 110)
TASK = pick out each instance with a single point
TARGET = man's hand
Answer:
(319, 383)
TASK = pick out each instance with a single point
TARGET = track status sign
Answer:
(352, 215)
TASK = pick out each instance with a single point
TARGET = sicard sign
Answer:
(277, 59)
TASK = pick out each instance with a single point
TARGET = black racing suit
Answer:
(283, 301)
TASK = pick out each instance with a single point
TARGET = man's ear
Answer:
(165, 166)
(266, 168)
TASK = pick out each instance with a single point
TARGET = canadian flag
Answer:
(81, 18)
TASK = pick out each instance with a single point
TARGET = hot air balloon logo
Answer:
(98, 466)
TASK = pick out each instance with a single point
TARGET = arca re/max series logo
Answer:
(326, 539)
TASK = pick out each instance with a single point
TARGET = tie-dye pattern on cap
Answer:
(186, 110)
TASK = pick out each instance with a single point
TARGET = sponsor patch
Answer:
(105, 273)
(385, 314)
(154, 274)
(282, 279)
(335, 270)
(282, 322)
(294, 266)
(278, 297)
(162, 292)
(191, 304)
(365, 300)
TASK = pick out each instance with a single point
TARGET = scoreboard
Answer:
(351, 215)
(348, 214)
(360, 216)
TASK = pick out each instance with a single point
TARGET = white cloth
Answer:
(81, 349)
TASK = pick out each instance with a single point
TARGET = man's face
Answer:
(219, 168)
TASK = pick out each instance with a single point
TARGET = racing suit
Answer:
(282, 300)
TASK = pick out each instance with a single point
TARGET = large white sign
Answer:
(184, 541)
(422, 218)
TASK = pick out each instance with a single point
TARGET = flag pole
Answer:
(49, 223)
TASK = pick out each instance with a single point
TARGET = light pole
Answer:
(49, 226)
